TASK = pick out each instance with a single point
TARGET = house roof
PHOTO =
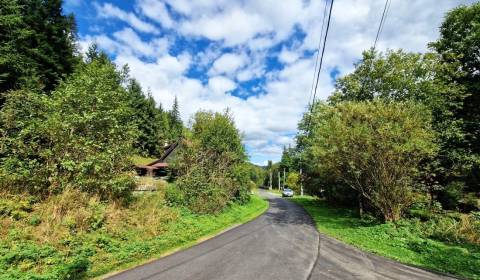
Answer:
(160, 163)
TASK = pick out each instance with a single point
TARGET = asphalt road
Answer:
(283, 243)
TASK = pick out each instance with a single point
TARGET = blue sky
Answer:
(254, 57)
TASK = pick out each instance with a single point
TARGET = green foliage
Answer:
(80, 137)
(37, 46)
(175, 124)
(398, 76)
(451, 195)
(293, 181)
(126, 237)
(372, 147)
(458, 46)
(408, 241)
(209, 164)
(148, 119)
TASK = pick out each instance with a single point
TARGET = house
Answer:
(159, 167)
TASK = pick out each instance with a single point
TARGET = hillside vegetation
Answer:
(75, 236)
(71, 127)
(393, 154)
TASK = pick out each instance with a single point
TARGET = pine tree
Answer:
(175, 122)
(146, 117)
(37, 46)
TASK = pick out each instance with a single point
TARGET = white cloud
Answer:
(127, 42)
(220, 85)
(228, 63)
(287, 56)
(157, 11)
(108, 10)
(244, 33)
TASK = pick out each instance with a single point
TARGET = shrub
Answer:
(372, 147)
(293, 181)
(470, 202)
(173, 195)
(210, 165)
(453, 228)
(451, 195)
(79, 137)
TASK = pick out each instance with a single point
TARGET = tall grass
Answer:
(76, 236)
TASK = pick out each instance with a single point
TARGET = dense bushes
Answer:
(74, 235)
(372, 147)
(430, 147)
(210, 163)
(80, 137)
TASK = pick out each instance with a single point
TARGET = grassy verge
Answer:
(403, 242)
(75, 237)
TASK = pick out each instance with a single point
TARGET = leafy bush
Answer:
(453, 228)
(210, 165)
(372, 147)
(174, 195)
(470, 202)
(79, 137)
(15, 206)
(451, 195)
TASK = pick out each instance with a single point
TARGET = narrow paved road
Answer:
(280, 244)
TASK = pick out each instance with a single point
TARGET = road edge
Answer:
(189, 244)
(369, 253)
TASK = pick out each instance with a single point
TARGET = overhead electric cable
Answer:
(382, 22)
(379, 31)
(320, 66)
(318, 53)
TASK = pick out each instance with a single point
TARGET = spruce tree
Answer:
(37, 44)
(176, 125)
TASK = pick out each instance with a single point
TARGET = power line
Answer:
(382, 22)
(379, 31)
(318, 53)
(320, 66)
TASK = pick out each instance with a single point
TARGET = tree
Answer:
(287, 161)
(148, 119)
(81, 137)
(398, 76)
(211, 164)
(373, 147)
(175, 121)
(293, 181)
(37, 44)
(458, 46)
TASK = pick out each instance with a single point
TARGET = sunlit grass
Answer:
(403, 242)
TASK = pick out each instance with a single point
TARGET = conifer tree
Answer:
(37, 44)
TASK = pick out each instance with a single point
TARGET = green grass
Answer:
(140, 160)
(403, 242)
(93, 238)
(184, 233)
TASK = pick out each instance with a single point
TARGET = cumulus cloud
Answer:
(108, 10)
(157, 11)
(228, 63)
(244, 38)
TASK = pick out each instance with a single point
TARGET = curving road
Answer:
(283, 243)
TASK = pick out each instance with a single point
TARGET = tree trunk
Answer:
(360, 205)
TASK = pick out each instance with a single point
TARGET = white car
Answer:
(287, 193)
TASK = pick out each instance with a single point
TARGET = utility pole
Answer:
(284, 178)
(271, 183)
(301, 184)
(279, 175)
